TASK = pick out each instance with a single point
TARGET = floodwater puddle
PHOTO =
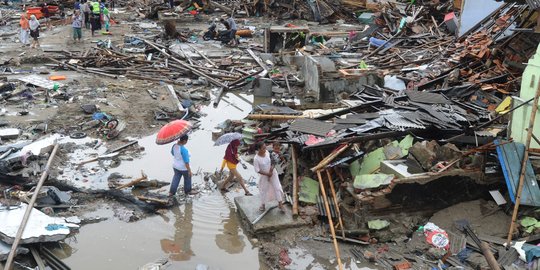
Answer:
(203, 230)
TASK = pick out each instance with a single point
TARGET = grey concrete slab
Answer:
(40, 227)
(264, 88)
(5, 249)
(9, 133)
(248, 208)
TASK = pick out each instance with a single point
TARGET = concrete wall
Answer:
(520, 117)
(332, 87)
(324, 83)
(312, 74)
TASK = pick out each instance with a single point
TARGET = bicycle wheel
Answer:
(111, 124)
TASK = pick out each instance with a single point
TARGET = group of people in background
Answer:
(29, 29)
(88, 14)
(95, 15)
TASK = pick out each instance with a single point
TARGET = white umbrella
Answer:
(227, 138)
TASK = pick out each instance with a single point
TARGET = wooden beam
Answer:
(37, 258)
(295, 181)
(330, 157)
(142, 178)
(175, 99)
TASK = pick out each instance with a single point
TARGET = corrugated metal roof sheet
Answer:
(396, 121)
(311, 126)
(426, 97)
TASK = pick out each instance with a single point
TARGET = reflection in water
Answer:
(179, 249)
(230, 240)
(204, 232)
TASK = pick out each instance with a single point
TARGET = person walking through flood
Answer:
(181, 167)
(77, 26)
(231, 160)
(25, 29)
(33, 24)
(269, 185)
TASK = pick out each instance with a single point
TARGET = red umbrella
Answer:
(173, 131)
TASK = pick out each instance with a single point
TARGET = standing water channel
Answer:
(203, 230)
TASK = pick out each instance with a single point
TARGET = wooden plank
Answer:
(37, 258)
(295, 181)
(510, 156)
(175, 98)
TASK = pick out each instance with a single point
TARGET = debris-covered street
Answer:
(235, 134)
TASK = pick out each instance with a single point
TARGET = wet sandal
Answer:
(249, 194)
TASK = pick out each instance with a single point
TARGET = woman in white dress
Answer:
(269, 185)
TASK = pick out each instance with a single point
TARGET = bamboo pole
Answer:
(330, 222)
(295, 181)
(330, 157)
(523, 165)
(334, 197)
(29, 208)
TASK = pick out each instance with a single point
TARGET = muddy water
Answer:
(203, 230)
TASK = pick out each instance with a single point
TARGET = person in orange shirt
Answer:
(25, 30)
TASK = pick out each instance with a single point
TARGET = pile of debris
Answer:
(421, 105)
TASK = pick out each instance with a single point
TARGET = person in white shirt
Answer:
(269, 185)
(181, 167)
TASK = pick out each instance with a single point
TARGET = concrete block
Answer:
(294, 60)
(395, 167)
(312, 74)
(263, 88)
(326, 64)
(9, 133)
(425, 153)
(248, 208)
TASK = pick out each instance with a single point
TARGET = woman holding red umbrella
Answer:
(177, 130)
(181, 167)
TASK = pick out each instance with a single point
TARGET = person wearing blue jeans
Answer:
(181, 167)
